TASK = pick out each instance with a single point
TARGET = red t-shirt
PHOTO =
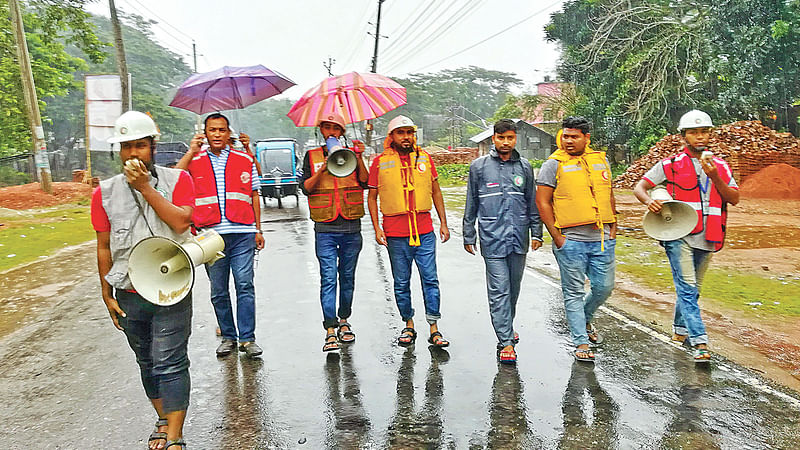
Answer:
(182, 196)
(397, 226)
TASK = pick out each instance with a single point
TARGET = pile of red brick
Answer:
(459, 155)
(747, 146)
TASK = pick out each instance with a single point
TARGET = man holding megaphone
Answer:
(145, 201)
(704, 182)
(334, 179)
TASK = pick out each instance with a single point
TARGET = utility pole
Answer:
(122, 63)
(374, 65)
(329, 65)
(31, 100)
(194, 55)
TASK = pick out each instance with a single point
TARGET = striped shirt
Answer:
(218, 164)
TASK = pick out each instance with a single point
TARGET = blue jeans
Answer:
(159, 335)
(239, 253)
(577, 261)
(337, 254)
(503, 278)
(401, 255)
(688, 269)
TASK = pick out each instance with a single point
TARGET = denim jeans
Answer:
(158, 335)
(239, 253)
(503, 278)
(337, 254)
(401, 255)
(688, 269)
(578, 260)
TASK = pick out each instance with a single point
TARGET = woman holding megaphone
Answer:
(145, 201)
(334, 185)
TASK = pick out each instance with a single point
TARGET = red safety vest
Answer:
(238, 189)
(683, 184)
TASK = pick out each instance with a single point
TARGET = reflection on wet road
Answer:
(75, 384)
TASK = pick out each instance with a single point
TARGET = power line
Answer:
(356, 40)
(490, 37)
(175, 38)
(437, 34)
(162, 20)
(409, 39)
(406, 24)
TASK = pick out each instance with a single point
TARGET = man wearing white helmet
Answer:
(706, 183)
(404, 178)
(146, 200)
(336, 205)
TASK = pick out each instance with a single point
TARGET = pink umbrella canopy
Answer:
(229, 88)
(356, 96)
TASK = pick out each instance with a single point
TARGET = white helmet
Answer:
(400, 122)
(133, 125)
(333, 118)
(694, 119)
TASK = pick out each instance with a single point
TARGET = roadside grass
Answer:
(451, 175)
(646, 262)
(32, 235)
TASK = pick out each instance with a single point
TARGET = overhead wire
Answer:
(162, 41)
(425, 20)
(357, 38)
(161, 20)
(405, 26)
(545, 9)
(431, 38)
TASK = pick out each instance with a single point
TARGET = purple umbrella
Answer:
(229, 88)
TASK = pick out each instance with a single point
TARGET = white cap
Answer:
(133, 125)
(695, 119)
(400, 122)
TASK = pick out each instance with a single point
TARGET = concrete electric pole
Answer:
(374, 65)
(31, 100)
(122, 63)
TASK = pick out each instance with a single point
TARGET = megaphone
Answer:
(341, 160)
(676, 219)
(162, 270)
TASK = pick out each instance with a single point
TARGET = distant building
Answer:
(532, 142)
(548, 114)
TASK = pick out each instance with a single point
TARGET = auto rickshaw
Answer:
(280, 175)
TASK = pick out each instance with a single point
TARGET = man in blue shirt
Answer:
(501, 195)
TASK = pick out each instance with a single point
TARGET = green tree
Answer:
(48, 26)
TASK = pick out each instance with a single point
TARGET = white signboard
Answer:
(103, 106)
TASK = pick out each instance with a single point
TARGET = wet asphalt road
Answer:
(69, 381)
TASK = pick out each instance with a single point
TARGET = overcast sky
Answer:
(295, 37)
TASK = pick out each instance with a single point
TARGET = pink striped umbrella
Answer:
(356, 96)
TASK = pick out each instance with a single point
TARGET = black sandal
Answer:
(330, 345)
(346, 336)
(441, 342)
(158, 435)
(407, 337)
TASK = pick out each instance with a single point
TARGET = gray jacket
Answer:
(128, 227)
(501, 196)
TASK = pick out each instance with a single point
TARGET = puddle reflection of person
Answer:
(600, 428)
(243, 422)
(507, 416)
(423, 429)
(687, 429)
(349, 425)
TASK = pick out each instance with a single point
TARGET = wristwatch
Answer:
(259, 232)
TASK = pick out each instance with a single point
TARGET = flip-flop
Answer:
(441, 342)
(346, 336)
(507, 357)
(407, 336)
(330, 346)
(588, 352)
(595, 338)
(702, 355)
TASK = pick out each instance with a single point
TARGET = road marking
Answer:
(739, 374)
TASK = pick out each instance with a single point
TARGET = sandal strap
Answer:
(345, 324)
(435, 334)
(180, 442)
(157, 436)
(161, 422)
(408, 330)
